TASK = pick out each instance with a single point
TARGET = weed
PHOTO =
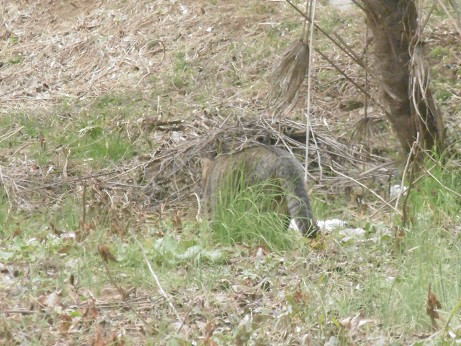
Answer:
(13, 39)
(180, 62)
(329, 20)
(443, 95)
(16, 60)
(429, 254)
(252, 215)
(100, 146)
(439, 52)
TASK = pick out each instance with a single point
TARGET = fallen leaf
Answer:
(208, 331)
(64, 323)
(105, 254)
(352, 324)
(64, 249)
(17, 232)
(432, 305)
(91, 312)
(55, 230)
(84, 230)
(300, 297)
(73, 294)
(177, 222)
(98, 338)
(261, 250)
(50, 300)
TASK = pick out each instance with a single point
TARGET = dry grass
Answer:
(101, 49)
(290, 73)
(171, 175)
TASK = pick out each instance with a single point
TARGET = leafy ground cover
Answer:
(76, 96)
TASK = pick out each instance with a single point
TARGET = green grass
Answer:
(443, 95)
(330, 20)
(439, 52)
(429, 253)
(96, 134)
(100, 146)
(385, 277)
(251, 215)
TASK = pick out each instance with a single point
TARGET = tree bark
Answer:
(401, 65)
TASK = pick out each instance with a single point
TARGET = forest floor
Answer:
(85, 89)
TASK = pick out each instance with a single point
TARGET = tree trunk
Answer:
(404, 74)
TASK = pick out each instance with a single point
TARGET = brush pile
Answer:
(170, 176)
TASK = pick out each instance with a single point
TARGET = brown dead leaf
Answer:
(51, 300)
(177, 222)
(64, 323)
(352, 324)
(55, 230)
(42, 142)
(65, 248)
(261, 250)
(432, 305)
(300, 297)
(208, 331)
(117, 340)
(84, 230)
(105, 254)
(17, 232)
(4, 269)
(98, 338)
(91, 312)
(73, 294)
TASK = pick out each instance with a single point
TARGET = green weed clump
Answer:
(428, 255)
(253, 215)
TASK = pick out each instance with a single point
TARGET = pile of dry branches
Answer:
(170, 176)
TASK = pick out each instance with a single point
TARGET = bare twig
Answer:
(124, 295)
(10, 203)
(442, 185)
(405, 191)
(157, 281)
(22, 312)
(366, 187)
(407, 196)
(312, 6)
(407, 164)
(11, 133)
(83, 220)
(199, 207)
